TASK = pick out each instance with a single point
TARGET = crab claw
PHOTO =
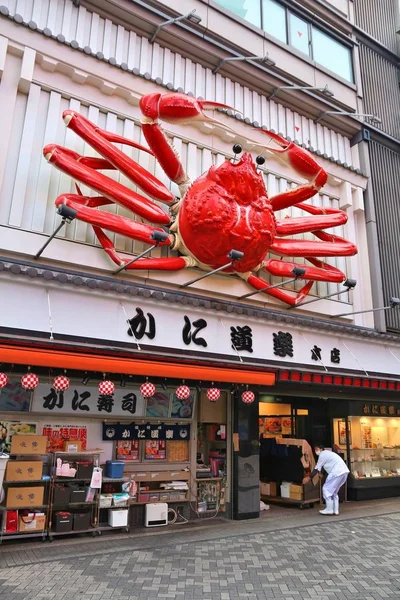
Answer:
(177, 108)
(298, 158)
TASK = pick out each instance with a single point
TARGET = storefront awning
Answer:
(39, 357)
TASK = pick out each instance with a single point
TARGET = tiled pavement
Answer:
(329, 558)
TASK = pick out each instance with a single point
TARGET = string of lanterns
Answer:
(106, 387)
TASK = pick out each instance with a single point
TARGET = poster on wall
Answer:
(159, 405)
(86, 401)
(14, 397)
(128, 450)
(155, 450)
(10, 428)
(57, 435)
(342, 433)
(182, 409)
(275, 425)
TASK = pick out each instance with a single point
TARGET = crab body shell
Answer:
(225, 208)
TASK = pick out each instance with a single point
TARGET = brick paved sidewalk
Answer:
(357, 559)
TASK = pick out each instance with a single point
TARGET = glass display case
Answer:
(373, 444)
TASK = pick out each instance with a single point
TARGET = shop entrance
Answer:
(288, 426)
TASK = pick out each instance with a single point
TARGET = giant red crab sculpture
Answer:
(225, 208)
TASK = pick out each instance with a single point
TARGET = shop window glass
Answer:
(274, 20)
(246, 9)
(299, 34)
(332, 54)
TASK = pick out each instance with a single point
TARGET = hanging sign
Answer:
(87, 401)
(118, 431)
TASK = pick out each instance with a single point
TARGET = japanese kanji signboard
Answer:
(86, 401)
(147, 431)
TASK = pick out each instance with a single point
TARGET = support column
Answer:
(246, 459)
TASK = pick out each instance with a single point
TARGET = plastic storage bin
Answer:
(118, 518)
(81, 521)
(114, 469)
(62, 522)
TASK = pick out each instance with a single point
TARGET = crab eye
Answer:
(237, 149)
(260, 160)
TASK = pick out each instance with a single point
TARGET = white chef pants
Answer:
(332, 485)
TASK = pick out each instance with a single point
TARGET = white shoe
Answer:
(329, 508)
(336, 505)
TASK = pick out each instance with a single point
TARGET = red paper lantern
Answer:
(106, 387)
(30, 381)
(248, 397)
(147, 389)
(61, 383)
(182, 392)
(213, 394)
(3, 380)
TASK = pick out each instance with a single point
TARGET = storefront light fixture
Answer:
(349, 284)
(297, 272)
(265, 59)
(234, 255)
(394, 303)
(373, 118)
(188, 17)
(158, 237)
(68, 214)
(182, 392)
(248, 396)
(85, 378)
(325, 90)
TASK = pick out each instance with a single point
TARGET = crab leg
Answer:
(83, 169)
(260, 284)
(333, 218)
(171, 108)
(320, 272)
(332, 245)
(101, 140)
(304, 164)
(173, 263)
(86, 212)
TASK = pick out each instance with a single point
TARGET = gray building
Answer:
(375, 28)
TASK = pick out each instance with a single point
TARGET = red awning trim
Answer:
(342, 380)
(83, 361)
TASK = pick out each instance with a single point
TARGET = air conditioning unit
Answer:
(156, 515)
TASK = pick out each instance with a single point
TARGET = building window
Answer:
(332, 54)
(299, 36)
(274, 20)
(250, 10)
(281, 23)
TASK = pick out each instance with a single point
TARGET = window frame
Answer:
(311, 25)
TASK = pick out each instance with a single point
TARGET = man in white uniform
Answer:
(337, 474)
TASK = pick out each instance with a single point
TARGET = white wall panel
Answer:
(101, 35)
